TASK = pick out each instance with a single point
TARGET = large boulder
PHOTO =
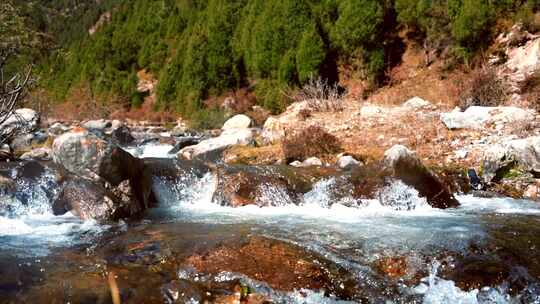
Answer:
(407, 167)
(239, 121)
(87, 155)
(21, 119)
(227, 139)
(108, 169)
(522, 154)
(477, 117)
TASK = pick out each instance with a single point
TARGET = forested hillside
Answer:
(198, 49)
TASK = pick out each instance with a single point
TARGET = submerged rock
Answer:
(281, 265)
(407, 167)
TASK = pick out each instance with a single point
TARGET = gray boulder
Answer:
(522, 154)
(347, 162)
(226, 139)
(477, 117)
(84, 154)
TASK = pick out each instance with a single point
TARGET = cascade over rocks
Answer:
(241, 185)
(406, 166)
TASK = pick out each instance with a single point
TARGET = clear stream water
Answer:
(31, 239)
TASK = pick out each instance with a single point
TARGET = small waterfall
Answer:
(30, 195)
(401, 197)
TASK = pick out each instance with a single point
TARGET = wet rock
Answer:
(227, 139)
(86, 199)
(393, 267)
(122, 135)
(26, 120)
(477, 117)
(239, 121)
(97, 125)
(5, 153)
(243, 187)
(43, 153)
(500, 161)
(84, 154)
(406, 166)
(474, 272)
(184, 142)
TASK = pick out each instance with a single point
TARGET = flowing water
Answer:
(447, 256)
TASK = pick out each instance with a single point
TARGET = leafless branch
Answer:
(12, 91)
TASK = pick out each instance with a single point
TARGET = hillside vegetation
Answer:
(199, 49)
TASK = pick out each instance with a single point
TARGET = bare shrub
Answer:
(12, 91)
(312, 141)
(322, 96)
(485, 89)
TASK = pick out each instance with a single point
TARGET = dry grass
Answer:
(322, 96)
(412, 78)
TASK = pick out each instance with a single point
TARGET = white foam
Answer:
(497, 205)
(151, 150)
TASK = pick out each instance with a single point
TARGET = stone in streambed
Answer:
(87, 155)
(406, 166)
